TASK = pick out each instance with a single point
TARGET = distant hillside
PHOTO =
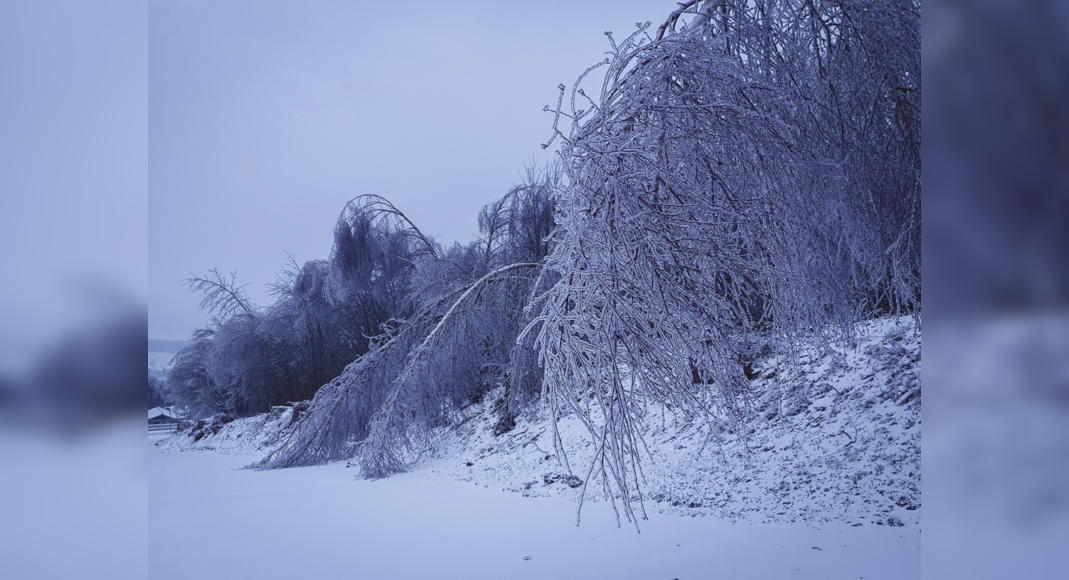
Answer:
(166, 345)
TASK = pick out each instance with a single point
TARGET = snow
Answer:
(74, 503)
(827, 487)
(835, 442)
(210, 519)
(257, 434)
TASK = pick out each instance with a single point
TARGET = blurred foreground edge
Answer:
(996, 445)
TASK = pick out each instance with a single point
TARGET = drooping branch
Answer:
(381, 206)
(222, 297)
(378, 456)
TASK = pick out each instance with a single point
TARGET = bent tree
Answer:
(755, 169)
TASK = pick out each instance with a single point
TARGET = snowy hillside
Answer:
(256, 434)
(838, 439)
(835, 436)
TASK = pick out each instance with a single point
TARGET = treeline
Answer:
(328, 313)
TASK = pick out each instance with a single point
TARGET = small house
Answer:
(161, 416)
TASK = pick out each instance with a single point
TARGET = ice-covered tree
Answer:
(755, 168)
(454, 345)
(324, 314)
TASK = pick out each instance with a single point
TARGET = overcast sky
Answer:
(266, 117)
(72, 169)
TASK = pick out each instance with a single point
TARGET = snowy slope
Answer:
(257, 434)
(835, 438)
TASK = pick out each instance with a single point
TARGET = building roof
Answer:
(160, 411)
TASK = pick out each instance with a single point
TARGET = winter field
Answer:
(839, 499)
(210, 519)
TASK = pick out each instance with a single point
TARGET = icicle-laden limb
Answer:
(338, 416)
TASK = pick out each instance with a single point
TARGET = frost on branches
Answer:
(458, 340)
(757, 171)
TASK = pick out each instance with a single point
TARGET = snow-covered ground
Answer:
(210, 519)
(826, 486)
(73, 503)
